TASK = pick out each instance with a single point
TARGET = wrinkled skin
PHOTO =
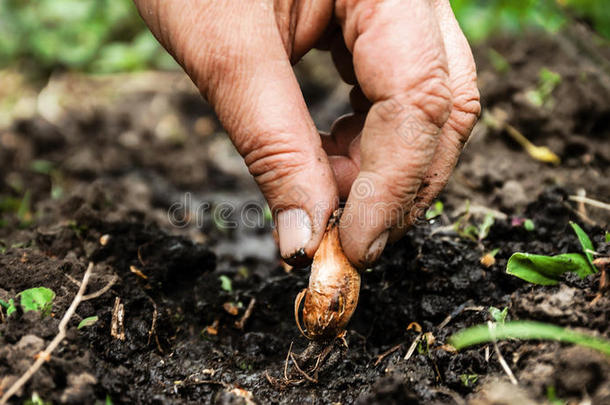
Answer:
(415, 102)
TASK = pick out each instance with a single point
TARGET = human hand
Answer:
(415, 102)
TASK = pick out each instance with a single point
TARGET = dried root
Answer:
(306, 367)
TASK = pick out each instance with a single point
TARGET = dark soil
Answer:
(112, 155)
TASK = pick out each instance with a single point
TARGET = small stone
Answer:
(104, 239)
(30, 344)
(80, 388)
(488, 260)
(512, 196)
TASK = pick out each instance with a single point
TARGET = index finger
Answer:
(401, 65)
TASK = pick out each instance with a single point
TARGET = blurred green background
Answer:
(105, 36)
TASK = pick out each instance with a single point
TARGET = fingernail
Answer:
(294, 229)
(377, 247)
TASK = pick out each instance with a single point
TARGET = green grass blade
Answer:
(526, 330)
(585, 242)
(485, 227)
(435, 210)
(24, 212)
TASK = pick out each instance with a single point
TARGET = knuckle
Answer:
(465, 112)
(271, 159)
(364, 8)
(432, 96)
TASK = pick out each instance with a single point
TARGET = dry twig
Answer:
(140, 259)
(153, 326)
(242, 321)
(117, 330)
(102, 290)
(386, 353)
(138, 272)
(413, 346)
(584, 218)
(601, 263)
(590, 201)
(453, 314)
(503, 362)
(72, 279)
(582, 209)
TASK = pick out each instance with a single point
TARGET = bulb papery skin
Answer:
(334, 287)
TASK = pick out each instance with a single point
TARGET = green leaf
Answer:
(497, 315)
(37, 299)
(526, 330)
(585, 242)
(469, 379)
(470, 231)
(12, 308)
(24, 212)
(42, 166)
(534, 97)
(435, 210)
(551, 396)
(498, 61)
(607, 237)
(243, 272)
(9, 204)
(547, 82)
(9, 306)
(87, 322)
(548, 79)
(226, 283)
(36, 400)
(529, 225)
(547, 270)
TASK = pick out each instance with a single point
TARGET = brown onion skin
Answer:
(334, 287)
